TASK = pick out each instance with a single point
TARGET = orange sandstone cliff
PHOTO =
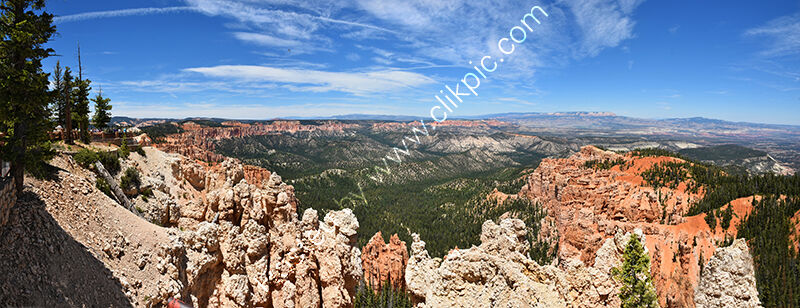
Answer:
(384, 261)
(587, 206)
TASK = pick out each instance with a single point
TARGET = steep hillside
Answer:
(224, 242)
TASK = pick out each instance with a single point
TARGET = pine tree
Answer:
(102, 108)
(124, 151)
(637, 285)
(67, 101)
(81, 100)
(58, 107)
(24, 98)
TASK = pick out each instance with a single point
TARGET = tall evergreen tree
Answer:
(58, 102)
(637, 285)
(102, 111)
(81, 98)
(67, 102)
(24, 98)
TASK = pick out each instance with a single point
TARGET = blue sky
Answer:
(251, 59)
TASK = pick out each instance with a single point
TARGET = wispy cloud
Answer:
(121, 13)
(265, 40)
(603, 23)
(783, 35)
(515, 100)
(317, 80)
(285, 22)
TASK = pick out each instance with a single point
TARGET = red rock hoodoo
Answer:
(382, 261)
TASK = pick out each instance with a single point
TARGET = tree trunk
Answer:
(68, 115)
(18, 170)
(118, 193)
(18, 165)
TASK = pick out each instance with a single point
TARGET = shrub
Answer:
(147, 192)
(103, 186)
(124, 151)
(130, 179)
(86, 158)
(141, 151)
(110, 161)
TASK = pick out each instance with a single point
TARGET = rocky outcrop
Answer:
(495, 274)
(728, 280)
(239, 244)
(498, 273)
(588, 206)
(385, 261)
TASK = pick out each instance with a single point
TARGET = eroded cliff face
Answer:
(499, 274)
(728, 280)
(385, 261)
(588, 206)
(198, 142)
(236, 243)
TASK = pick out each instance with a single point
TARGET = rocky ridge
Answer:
(198, 141)
(244, 244)
(728, 280)
(499, 274)
(588, 206)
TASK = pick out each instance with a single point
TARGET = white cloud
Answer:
(408, 13)
(319, 81)
(120, 13)
(602, 23)
(783, 35)
(285, 22)
(265, 40)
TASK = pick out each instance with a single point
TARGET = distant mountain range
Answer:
(580, 120)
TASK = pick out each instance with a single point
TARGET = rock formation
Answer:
(228, 242)
(198, 141)
(499, 274)
(728, 280)
(385, 261)
(588, 206)
(245, 246)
